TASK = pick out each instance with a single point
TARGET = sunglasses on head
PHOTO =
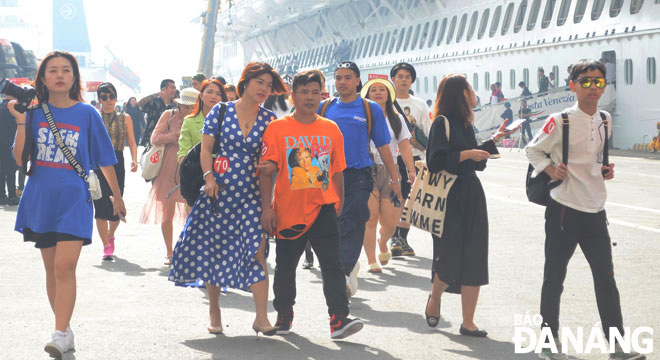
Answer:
(105, 97)
(345, 65)
(586, 81)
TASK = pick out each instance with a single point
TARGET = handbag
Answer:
(538, 187)
(426, 207)
(92, 180)
(151, 159)
(191, 177)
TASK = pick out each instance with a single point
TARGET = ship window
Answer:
(650, 70)
(359, 50)
(434, 29)
(580, 8)
(628, 67)
(563, 12)
(487, 80)
(526, 77)
(416, 37)
(496, 21)
(615, 7)
(426, 84)
(443, 28)
(435, 83)
(636, 5)
(377, 47)
(461, 28)
(506, 23)
(555, 71)
(366, 46)
(402, 34)
(408, 35)
(425, 34)
(597, 9)
(547, 13)
(475, 81)
(452, 27)
(385, 41)
(484, 23)
(522, 9)
(533, 15)
(473, 25)
(393, 40)
(512, 78)
(498, 77)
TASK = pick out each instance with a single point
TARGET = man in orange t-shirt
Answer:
(307, 152)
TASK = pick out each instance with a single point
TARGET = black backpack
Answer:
(190, 171)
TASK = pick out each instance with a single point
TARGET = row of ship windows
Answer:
(389, 41)
(513, 83)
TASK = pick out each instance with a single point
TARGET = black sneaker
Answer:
(284, 322)
(395, 246)
(13, 201)
(3, 200)
(344, 327)
(308, 264)
(407, 250)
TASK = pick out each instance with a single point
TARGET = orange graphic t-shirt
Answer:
(307, 156)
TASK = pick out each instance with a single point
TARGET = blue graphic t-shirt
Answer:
(352, 122)
(56, 198)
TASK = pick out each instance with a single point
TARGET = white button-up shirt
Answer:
(584, 187)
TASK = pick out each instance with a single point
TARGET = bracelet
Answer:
(207, 173)
(395, 181)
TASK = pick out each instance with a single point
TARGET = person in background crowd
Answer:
(403, 75)
(551, 80)
(575, 214)
(120, 128)
(460, 255)
(383, 209)
(544, 82)
(226, 217)
(279, 104)
(212, 93)
(7, 164)
(221, 79)
(154, 105)
(507, 115)
(230, 90)
(137, 116)
(47, 207)
(524, 113)
(96, 105)
(496, 95)
(500, 93)
(197, 81)
(348, 111)
(164, 204)
(568, 75)
(525, 89)
(429, 103)
(655, 143)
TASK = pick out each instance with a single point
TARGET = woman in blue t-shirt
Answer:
(55, 211)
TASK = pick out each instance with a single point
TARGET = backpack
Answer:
(365, 105)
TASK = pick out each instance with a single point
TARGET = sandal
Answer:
(384, 258)
(168, 260)
(374, 269)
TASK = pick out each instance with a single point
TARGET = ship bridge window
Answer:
(359, 49)
(650, 70)
(533, 15)
(555, 71)
(547, 13)
(354, 47)
(402, 33)
(506, 23)
(473, 25)
(366, 46)
(434, 29)
(461, 28)
(563, 12)
(393, 41)
(636, 6)
(522, 9)
(425, 34)
(443, 28)
(408, 34)
(512, 78)
(452, 27)
(416, 37)
(475, 82)
(580, 9)
(385, 41)
(496, 21)
(484, 23)
(628, 71)
(615, 7)
(376, 46)
(597, 9)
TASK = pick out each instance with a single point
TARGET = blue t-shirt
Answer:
(507, 114)
(352, 122)
(55, 198)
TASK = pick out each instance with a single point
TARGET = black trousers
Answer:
(405, 185)
(565, 228)
(7, 173)
(324, 237)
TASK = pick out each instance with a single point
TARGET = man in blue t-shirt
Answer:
(348, 112)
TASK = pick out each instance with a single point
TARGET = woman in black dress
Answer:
(460, 256)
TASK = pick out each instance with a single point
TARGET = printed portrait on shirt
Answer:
(309, 166)
(409, 116)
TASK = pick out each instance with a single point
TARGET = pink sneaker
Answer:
(107, 252)
(111, 242)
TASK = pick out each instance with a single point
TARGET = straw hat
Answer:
(385, 82)
(188, 96)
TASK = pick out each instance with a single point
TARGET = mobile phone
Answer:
(395, 200)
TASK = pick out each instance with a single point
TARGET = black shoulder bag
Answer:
(538, 188)
(190, 171)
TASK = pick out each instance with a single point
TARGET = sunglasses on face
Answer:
(105, 97)
(586, 81)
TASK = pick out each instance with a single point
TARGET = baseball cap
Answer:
(403, 66)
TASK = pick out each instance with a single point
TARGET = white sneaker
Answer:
(71, 345)
(353, 280)
(59, 344)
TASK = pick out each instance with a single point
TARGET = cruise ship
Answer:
(488, 41)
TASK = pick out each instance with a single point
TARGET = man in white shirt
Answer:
(417, 114)
(575, 214)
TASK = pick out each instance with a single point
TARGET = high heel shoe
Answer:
(216, 330)
(432, 321)
(268, 331)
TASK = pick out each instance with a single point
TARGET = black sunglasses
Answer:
(105, 97)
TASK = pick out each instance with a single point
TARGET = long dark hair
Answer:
(280, 99)
(75, 93)
(450, 100)
(392, 116)
(199, 105)
(254, 69)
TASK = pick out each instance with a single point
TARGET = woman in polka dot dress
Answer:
(223, 243)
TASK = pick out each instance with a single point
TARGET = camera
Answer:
(23, 95)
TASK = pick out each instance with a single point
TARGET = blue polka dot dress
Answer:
(219, 241)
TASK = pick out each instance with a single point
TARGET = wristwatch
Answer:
(395, 181)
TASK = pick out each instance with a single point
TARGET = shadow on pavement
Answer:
(125, 266)
(484, 348)
(415, 323)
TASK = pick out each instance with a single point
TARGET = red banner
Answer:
(377, 76)
(92, 86)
